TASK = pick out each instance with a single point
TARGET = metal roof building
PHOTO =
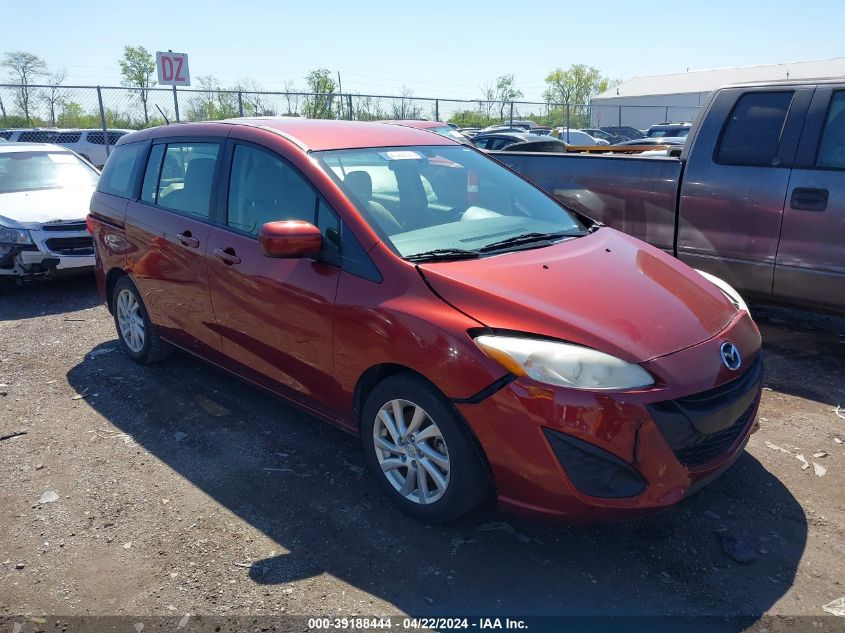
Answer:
(644, 101)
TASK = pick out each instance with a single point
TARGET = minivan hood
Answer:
(30, 209)
(607, 291)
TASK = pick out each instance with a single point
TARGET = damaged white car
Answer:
(45, 191)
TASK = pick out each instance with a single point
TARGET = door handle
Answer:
(809, 199)
(188, 240)
(227, 256)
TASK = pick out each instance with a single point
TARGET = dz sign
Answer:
(172, 69)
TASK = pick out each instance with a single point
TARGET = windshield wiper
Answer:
(442, 254)
(525, 238)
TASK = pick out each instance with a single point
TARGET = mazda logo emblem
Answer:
(730, 355)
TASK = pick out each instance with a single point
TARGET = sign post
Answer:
(173, 71)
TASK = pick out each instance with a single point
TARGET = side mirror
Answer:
(290, 238)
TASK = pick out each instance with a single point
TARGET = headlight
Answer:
(727, 290)
(563, 364)
(14, 236)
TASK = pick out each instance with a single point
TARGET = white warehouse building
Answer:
(643, 101)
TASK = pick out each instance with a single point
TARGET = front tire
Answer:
(419, 451)
(135, 331)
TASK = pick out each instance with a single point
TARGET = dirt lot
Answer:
(183, 491)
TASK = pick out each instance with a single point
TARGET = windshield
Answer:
(26, 171)
(450, 198)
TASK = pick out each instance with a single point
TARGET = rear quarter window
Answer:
(118, 177)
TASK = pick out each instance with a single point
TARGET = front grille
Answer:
(701, 427)
(64, 226)
(83, 245)
(707, 447)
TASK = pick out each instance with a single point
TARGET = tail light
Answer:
(90, 223)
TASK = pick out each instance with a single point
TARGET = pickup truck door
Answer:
(810, 266)
(735, 182)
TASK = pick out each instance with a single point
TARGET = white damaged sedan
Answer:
(45, 191)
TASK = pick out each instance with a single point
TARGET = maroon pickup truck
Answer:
(757, 196)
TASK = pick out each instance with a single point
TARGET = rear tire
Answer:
(419, 450)
(137, 334)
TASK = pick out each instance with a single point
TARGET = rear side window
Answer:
(65, 138)
(96, 138)
(36, 136)
(117, 178)
(753, 131)
(6, 135)
(832, 147)
(264, 188)
(499, 143)
(186, 177)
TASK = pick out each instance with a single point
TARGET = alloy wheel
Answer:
(411, 451)
(129, 320)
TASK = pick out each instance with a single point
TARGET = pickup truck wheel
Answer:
(417, 449)
(137, 334)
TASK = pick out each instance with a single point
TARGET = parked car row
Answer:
(90, 144)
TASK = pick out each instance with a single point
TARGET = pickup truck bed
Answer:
(756, 198)
(635, 195)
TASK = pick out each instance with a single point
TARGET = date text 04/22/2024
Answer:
(407, 624)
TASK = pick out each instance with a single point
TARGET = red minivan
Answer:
(479, 337)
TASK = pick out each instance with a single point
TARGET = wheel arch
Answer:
(111, 279)
(378, 373)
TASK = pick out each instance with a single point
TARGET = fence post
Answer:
(437, 109)
(240, 103)
(349, 104)
(176, 103)
(567, 121)
(666, 116)
(511, 114)
(103, 120)
(620, 116)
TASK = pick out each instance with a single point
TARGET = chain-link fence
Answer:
(134, 108)
(120, 108)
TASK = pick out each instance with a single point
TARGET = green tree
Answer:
(319, 104)
(22, 69)
(73, 115)
(506, 91)
(138, 68)
(576, 85)
(471, 118)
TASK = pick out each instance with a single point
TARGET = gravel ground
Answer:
(179, 490)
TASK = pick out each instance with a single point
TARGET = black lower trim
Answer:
(593, 470)
(487, 391)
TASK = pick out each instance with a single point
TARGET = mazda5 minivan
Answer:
(478, 336)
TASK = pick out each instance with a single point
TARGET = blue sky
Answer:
(436, 48)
